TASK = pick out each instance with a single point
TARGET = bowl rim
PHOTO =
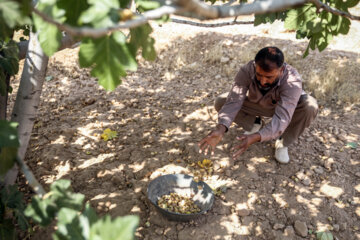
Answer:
(212, 199)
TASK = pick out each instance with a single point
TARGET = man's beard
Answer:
(267, 86)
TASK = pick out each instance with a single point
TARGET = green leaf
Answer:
(8, 134)
(124, 3)
(63, 196)
(101, 13)
(13, 199)
(353, 145)
(7, 159)
(41, 210)
(140, 38)
(110, 58)
(9, 61)
(11, 15)
(9, 143)
(351, 3)
(344, 25)
(7, 230)
(324, 236)
(269, 18)
(121, 228)
(49, 35)
(73, 9)
(90, 214)
(144, 6)
(69, 226)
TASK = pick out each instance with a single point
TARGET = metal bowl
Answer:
(182, 184)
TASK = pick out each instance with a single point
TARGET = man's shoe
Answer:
(281, 152)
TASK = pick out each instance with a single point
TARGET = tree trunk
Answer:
(28, 98)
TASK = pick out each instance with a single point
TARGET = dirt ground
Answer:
(160, 113)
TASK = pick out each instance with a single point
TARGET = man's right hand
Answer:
(212, 139)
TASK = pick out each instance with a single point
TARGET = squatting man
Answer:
(264, 87)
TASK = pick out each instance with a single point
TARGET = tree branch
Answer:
(196, 9)
(199, 24)
(327, 8)
(256, 7)
(33, 182)
(96, 33)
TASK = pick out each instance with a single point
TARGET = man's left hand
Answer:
(245, 142)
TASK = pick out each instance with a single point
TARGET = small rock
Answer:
(328, 163)
(224, 59)
(218, 76)
(243, 212)
(228, 173)
(336, 227)
(117, 180)
(343, 226)
(301, 228)
(319, 170)
(278, 226)
(289, 231)
(357, 174)
(306, 181)
(327, 152)
(342, 137)
(179, 227)
(159, 231)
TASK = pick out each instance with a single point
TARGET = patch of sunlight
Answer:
(60, 140)
(199, 114)
(311, 207)
(99, 159)
(293, 211)
(227, 223)
(357, 187)
(135, 209)
(301, 189)
(260, 159)
(137, 167)
(279, 198)
(251, 167)
(84, 131)
(181, 137)
(224, 162)
(322, 227)
(331, 191)
(102, 196)
(174, 151)
(258, 231)
(63, 169)
(252, 197)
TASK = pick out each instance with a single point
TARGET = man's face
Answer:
(266, 79)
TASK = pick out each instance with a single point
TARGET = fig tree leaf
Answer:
(121, 228)
(48, 34)
(109, 57)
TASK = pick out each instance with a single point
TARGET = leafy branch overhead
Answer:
(110, 54)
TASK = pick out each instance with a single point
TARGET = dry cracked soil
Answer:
(162, 110)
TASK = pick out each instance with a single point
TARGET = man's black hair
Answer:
(269, 58)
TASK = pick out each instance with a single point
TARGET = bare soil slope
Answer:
(161, 111)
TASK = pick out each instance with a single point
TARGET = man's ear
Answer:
(282, 69)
